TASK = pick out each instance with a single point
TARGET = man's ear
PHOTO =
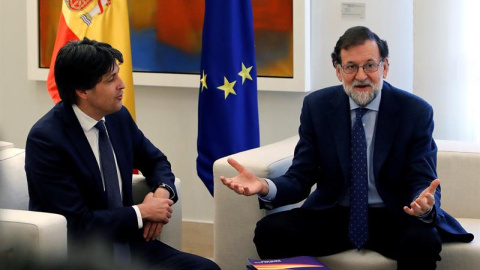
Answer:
(385, 67)
(338, 71)
(81, 93)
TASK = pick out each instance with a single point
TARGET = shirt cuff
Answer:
(272, 191)
(139, 216)
(429, 216)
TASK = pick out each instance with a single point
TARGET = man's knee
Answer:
(419, 248)
(268, 236)
(423, 239)
(264, 232)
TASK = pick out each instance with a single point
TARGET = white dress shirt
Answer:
(88, 126)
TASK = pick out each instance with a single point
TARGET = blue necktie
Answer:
(109, 168)
(121, 250)
(358, 227)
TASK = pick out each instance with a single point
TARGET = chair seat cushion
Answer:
(465, 256)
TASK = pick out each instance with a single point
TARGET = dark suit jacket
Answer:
(64, 177)
(404, 159)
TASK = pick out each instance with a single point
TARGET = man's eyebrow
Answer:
(368, 60)
(108, 75)
(113, 72)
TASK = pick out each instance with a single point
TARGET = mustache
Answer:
(362, 83)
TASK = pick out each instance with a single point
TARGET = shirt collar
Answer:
(86, 121)
(373, 105)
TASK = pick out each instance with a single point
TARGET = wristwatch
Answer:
(167, 187)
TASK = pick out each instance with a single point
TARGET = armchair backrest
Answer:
(13, 180)
(458, 168)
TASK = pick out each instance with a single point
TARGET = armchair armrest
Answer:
(172, 232)
(5, 145)
(33, 235)
(235, 215)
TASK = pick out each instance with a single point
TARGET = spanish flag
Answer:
(101, 20)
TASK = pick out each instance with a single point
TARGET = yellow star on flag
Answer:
(245, 73)
(203, 80)
(227, 87)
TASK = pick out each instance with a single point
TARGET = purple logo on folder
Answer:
(297, 263)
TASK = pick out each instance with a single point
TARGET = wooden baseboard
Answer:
(197, 238)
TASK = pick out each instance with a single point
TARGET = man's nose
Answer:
(361, 75)
(121, 84)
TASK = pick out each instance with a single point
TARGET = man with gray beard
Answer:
(368, 148)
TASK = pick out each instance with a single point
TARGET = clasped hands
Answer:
(156, 210)
(247, 183)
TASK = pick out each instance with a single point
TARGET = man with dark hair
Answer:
(368, 148)
(79, 162)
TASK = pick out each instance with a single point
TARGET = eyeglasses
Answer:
(367, 68)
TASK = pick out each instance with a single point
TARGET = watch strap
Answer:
(170, 190)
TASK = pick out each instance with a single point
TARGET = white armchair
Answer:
(236, 216)
(5, 145)
(172, 232)
(35, 235)
(43, 236)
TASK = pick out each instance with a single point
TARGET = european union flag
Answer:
(227, 106)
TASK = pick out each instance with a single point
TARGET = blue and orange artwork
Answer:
(166, 36)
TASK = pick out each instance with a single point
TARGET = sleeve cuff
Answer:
(139, 216)
(429, 216)
(272, 191)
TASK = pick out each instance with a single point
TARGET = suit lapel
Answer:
(386, 128)
(339, 121)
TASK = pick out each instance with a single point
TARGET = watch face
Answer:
(163, 186)
(170, 190)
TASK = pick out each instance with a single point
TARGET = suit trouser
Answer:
(413, 243)
(157, 255)
(98, 253)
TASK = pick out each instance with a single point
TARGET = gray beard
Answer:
(363, 98)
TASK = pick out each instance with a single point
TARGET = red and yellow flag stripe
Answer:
(101, 20)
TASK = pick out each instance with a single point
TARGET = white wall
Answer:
(443, 65)
(391, 20)
(168, 116)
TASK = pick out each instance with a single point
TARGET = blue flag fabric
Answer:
(227, 106)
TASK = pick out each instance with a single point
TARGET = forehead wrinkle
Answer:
(361, 53)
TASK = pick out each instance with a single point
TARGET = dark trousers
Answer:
(96, 252)
(157, 255)
(413, 243)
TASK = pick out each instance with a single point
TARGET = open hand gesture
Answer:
(424, 202)
(246, 182)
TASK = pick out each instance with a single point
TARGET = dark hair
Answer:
(356, 36)
(80, 65)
